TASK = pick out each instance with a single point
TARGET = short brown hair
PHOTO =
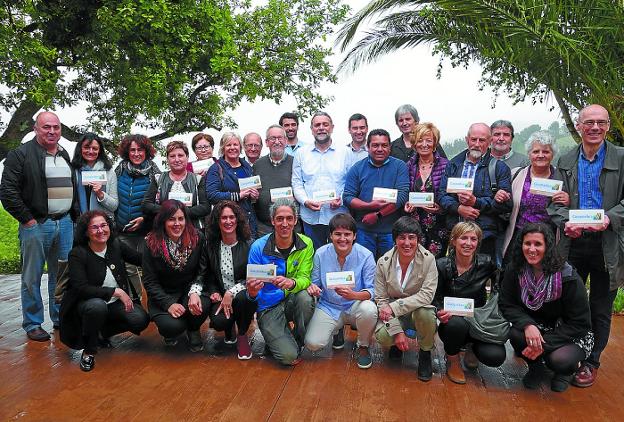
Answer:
(201, 136)
(175, 145)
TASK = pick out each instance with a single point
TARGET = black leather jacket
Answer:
(470, 285)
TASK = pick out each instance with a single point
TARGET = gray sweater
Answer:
(279, 176)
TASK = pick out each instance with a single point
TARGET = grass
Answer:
(618, 305)
(9, 247)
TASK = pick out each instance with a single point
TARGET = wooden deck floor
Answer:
(140, 380)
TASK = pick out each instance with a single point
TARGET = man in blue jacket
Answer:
(479, 205)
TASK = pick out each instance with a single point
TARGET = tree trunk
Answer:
(20, 125)
(565, 111)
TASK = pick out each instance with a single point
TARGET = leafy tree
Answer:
(174, 65)
(569, 49)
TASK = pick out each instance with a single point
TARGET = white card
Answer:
(459, 184)
(587, 216)
(277, 193)
(94, 176)
(385, 194)
(459, 306)
(262, 272)
(201, 165)
(249, 182)
(340, 279)
(546, 187)
(421, 199)
(327, 195)
(184, 197)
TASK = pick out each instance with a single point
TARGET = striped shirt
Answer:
(470, 168)
(590, 196)
(59, 181)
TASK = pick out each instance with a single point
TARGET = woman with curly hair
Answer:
(229, 239)
(546, 302)
(174, 267)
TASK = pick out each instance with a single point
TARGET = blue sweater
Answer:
(364, 177)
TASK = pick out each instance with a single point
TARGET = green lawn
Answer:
(9, 246)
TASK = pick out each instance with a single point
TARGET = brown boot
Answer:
(454, 371)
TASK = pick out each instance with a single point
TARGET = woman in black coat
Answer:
(464, 273)
(174, 266)
(546, 302)
(229, 239)
(97, 303)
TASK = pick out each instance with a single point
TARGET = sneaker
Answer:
(195, 341)
(243, 347)
(230, 337)
(532, 378)
(364, 359)
(87, 362)
(170, 341)
(585, 376)
(339, 342)
(395, 354)
(425, 371)
(560, 383)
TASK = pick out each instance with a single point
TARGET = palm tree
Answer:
(570, 50)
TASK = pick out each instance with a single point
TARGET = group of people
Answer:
(315, 210)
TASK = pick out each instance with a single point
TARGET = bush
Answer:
(9, 247)
(618, 305)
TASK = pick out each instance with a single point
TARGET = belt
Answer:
(57, 216)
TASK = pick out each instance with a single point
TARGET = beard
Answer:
(475, 154)
(322, 138)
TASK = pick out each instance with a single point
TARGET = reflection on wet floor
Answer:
(141, 379)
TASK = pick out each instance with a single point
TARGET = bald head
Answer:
(592, 109)
(593, 124)
(47, 130)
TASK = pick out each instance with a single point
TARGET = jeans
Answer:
(362, 313)
(319, 233)
(273, 323)
(377, 243)
(43, 243)
(587, 257)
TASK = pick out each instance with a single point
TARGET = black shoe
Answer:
(338, 340)
(195, 341)
(425, 372)
(395, 354)
(56, 326)
(533, 377)
(38, 334)
(560, 383)
(87, 362)
(104, 343)
(170, 341)
(230, 338)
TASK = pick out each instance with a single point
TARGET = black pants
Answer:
(587, 257)
(170, 327)
(244, 310)
(108, 319)
(454, 335)
(563, 360)
(488, 247)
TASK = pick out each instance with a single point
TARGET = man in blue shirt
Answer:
(343, 305)
(375, 217)
(593, 175)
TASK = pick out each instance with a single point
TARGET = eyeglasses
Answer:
(253, 146)
(96, 228)
(203, 148)
(600, 123)
(275, 138)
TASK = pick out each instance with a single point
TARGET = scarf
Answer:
(537, 291)
(84, 192)
(146, 168)
(174, 254)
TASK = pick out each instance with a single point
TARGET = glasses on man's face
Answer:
(275, 138)
(253, 146)
(96, 228)
(203, 148)
(590, 123)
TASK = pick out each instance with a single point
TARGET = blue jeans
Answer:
(377, 243)
(47, 242)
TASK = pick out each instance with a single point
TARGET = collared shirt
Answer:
(315, 170)
(399, 272)
(277, 163)
(470, 168)
(292, 149)
(590, 196)
(360, 261)
(357, 155)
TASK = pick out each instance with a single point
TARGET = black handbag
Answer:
(487, 324)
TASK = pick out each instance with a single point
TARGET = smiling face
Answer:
(136, 153)
(342, 239)
(253, 146)
(90, 151)
(406, 123)
(322, 128)
(290, 127)
(174, 226)
(276, 142)
(501, 139)
(425, 145)
(466, 244)
(232, 150)
(227, 222)
(358, 130)
(177, 160)
(47, 130)
(593, 124)
(407, 245)
(534, 248)
(98, 231)
(203, 149)
(540, 156)
(284, 222)
(478, 140)
(379, 149)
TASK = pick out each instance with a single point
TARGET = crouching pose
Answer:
(340, 304)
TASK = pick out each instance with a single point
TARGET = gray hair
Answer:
(284, 202)
(319, 114)
(503, 123)
(542, 137)
(224, 140)
(246, 137)
(406, 108)
(280, 127)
